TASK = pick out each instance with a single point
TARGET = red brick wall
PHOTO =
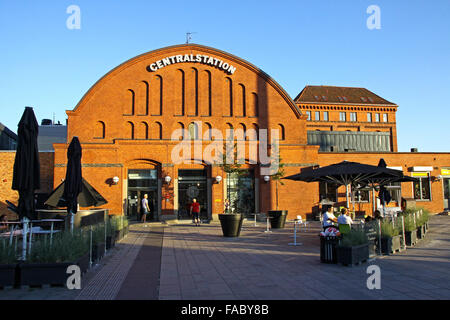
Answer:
(6, 177)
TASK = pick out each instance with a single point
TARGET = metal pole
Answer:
(11, 232)
(403, 232)
(90, 249)
(51, 234)
(267, 225)
(379, 237)
(105, 235)
(24, 238)
(31, 237)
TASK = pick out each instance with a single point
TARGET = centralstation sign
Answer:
(197, 58)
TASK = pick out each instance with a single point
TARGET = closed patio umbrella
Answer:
(26, 172)
(73, 182)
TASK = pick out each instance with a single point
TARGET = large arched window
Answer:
(228, 97)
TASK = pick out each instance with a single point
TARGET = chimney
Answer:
(414, 150)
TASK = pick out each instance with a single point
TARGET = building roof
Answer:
(339, 95)
(48, 135)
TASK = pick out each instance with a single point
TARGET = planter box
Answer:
(38, 274)
(391, 245)
(98, 251)
(278, 218)
(83, 262)
(7, 275)
(118, 235)
(110, 242)
(421, 232)
(231, 224)
(352, 255)
(411, 237)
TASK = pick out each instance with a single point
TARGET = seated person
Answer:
(377, 215)
(3, 225)
(328, 218)
(344, 217)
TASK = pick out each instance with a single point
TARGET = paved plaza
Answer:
(182, 261)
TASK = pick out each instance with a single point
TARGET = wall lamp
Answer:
(266, 178)
(167, 179)
(115, 180)
(218, 179)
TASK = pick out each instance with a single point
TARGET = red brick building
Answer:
(127, 124)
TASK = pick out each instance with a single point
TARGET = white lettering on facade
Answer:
(197, 58)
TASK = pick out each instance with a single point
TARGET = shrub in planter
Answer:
(7, 264)
(47, 264)
(353, 248)
(410, 230)
(390, 238)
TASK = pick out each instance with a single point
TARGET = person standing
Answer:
(145, 209)
(227, 206)
(195, 211)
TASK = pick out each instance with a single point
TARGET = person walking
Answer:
(145, 209)
(195, 211)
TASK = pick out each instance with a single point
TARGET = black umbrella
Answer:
(26, 174)
(348, 173)
(73, 183)
(383, 194)
(88, 197)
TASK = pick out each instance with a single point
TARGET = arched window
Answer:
(129, 108)
(143, 130)
(242, 130)
(228, 97)
(254, 107)
(207, 135)
(156, 131)
(282, 132)
(130, 130)
(100, 131)
(229, 132)
(193, 131)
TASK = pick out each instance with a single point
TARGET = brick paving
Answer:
(187, 262)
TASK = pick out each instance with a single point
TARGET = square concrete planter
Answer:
(83, 262)
(349, 256)
(411, 237)
(421, 232)
(391, 245)
(110, 242)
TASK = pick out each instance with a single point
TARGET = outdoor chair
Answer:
(299, 221)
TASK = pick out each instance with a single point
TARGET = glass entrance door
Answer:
(140, 182)
(192, 184)
(446, 182)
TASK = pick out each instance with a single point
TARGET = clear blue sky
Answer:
(45, 65)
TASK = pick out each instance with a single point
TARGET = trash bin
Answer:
(328, 249)
(278, 218)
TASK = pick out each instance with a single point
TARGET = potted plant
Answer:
(47, 262)
(231, 222)
(8, 264)
(353, 248)
(410, 230)
(278, 217)
(390, 238)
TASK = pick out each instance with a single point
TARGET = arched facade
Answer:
(201, 92)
